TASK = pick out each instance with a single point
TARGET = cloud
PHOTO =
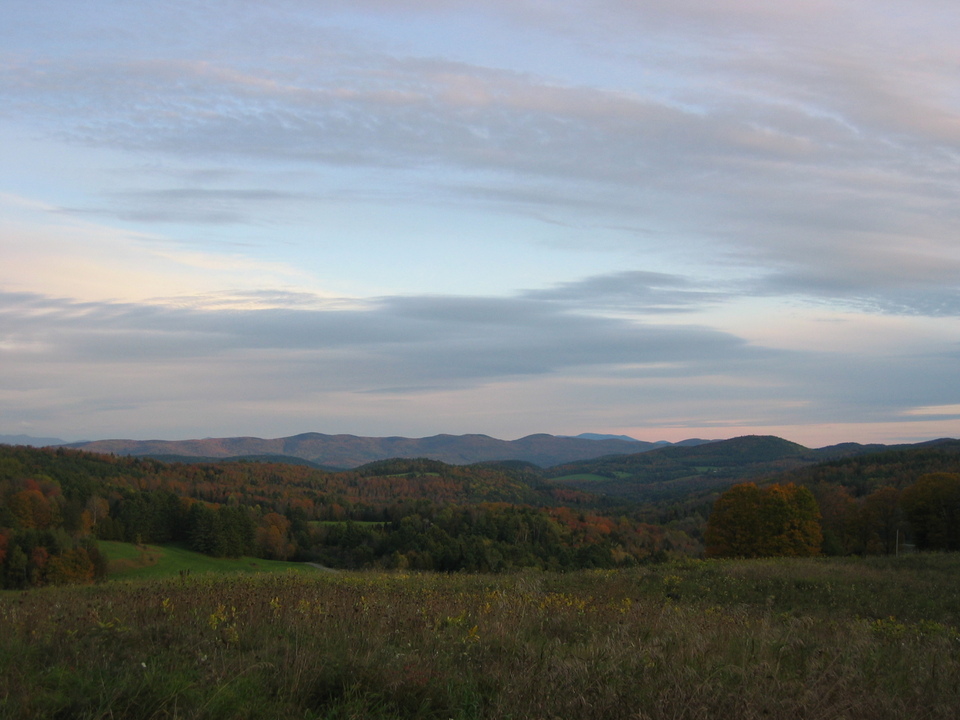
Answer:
(776, 178)
(429, 341)
(417, 339)
(444, 363)
(875, 280)
(538, 200)
(939, 411)
(634, 291)
(63, 357)
(388, 113)
(198, 205)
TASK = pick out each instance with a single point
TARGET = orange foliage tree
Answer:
(748, 521)
(73, 566)
(31, 509)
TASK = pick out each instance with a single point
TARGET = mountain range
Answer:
(619, 469)
(611, 466)
(29, 440)
(349, 451)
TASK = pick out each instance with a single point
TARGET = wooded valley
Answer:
(487, 517)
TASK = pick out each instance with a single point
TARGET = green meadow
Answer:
(128, 561)
(846, 638)
(580, 477)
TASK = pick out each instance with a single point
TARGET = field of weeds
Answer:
(811, 639)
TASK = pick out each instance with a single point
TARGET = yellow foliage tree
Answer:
(778, 520)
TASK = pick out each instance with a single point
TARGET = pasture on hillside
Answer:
(129, 561)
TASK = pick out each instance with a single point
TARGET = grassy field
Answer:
(581, 477)
(871, 639)
(151, 562)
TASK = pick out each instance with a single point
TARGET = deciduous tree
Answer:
(748, 521)
(932, 505)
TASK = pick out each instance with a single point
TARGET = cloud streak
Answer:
(460, 339)
(417, 347)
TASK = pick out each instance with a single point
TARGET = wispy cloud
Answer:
(935, 410)
(455, 338)
(763, 177)
(192, 205)
(635, 291)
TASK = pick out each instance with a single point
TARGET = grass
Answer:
(811, 639)
(151, 562)
(581, 477)
(412, 474)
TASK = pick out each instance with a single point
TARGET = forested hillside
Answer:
(425, 514)
(672, 473)
(871, 499)
(896, 467)
(680, 474)
(876, 503)
(873, 503)
(55, 504)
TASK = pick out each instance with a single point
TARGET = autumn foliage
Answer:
(421, 514)
(777, 520)
(426, 515)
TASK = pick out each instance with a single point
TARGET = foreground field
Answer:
(741, 639)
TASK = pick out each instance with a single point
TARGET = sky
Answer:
(665, 220)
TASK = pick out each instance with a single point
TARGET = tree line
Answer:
(789, 519)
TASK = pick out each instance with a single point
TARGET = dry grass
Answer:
(771, 639)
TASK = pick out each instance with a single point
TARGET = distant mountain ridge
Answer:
(349, 451)
(678, 471)
(600, 436)
(690, 442)
(29, 440)
(627, 468)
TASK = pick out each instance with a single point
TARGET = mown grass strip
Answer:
(128, 561)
